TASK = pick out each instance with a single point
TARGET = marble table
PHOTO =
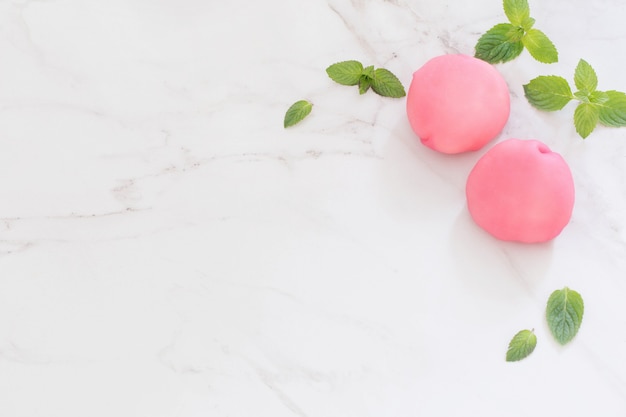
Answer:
(168, 249)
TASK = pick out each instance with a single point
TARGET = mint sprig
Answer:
(506, 41)
(564, 314)
(522, 345)
(297, 112)
(382, 81)
(551, 93)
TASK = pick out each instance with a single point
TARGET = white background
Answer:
(167, 249)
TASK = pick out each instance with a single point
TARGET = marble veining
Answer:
(168, 249)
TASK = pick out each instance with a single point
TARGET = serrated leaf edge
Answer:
(582, 63)
(332, 70)
(495, 51)
(577, 114)
(537, 103)
(525, 13)
(579, 317)
(297, 112)
(540, 52)
(521, 345)
(608, 119)
(390, 87)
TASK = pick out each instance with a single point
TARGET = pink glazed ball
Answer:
(521, 191)
(457, 103)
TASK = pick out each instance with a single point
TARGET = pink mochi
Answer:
(521, 191)
(457, 103)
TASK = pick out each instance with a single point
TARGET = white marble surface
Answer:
(167, 249)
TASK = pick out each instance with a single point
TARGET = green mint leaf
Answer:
(386, 84)
(585, 77)
(540, 47)
(346, 72)
(522, 345)
(613, 110)
(548, 92)
(368, 71)
(583, 96)
(501, 43)
(586, 118)
(517, 11)
(598, 97)
(364, 84)
(298, 111)
(564, 313)
(528, 23)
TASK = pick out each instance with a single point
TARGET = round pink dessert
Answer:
(457, 103)
(521, 191)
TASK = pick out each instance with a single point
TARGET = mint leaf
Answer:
(540, 47)
(548, 92)
(298, 111)
(364, 84)
(368, 71)
(386, 84)
(585, 77)
(598, 97)
(517, 11)
(583, 96)
(613, 110)
(346, 72)
(366, 79)
(528, 23)
(564, 313)
(522, 345)
(501, 43)
(586, 118)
